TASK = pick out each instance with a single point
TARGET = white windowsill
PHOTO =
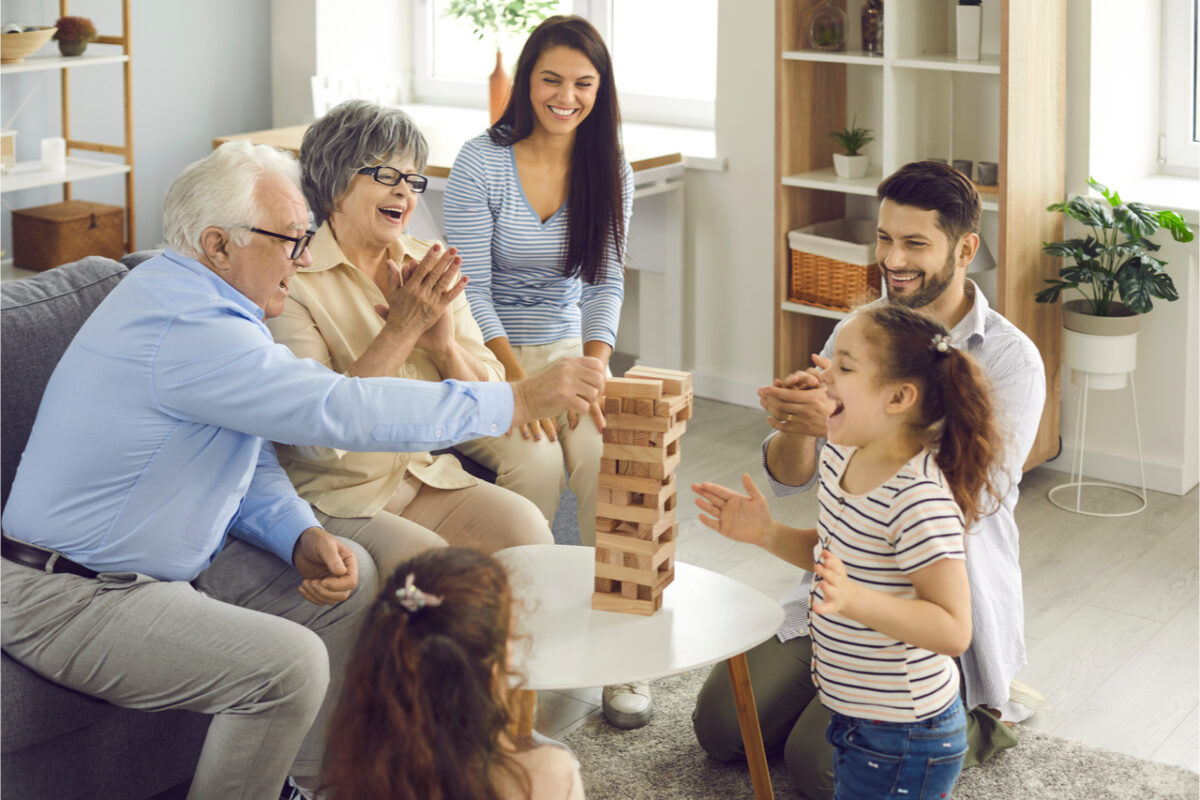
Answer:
(1172, 192)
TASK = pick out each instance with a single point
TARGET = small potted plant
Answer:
(1114, 268)
(73, 35)
(852, 164)
(495, 19)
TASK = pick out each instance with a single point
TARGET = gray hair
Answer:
(218, 191)
(353, 135)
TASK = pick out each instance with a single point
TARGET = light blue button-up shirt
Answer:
(152, 441)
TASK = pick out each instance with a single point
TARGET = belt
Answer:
(36, 557)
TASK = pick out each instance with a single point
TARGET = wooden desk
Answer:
(655, 235)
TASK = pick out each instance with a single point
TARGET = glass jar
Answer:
(824, 26)
(872, 28)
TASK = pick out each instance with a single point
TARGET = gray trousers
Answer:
(792, 718)
(239, 643)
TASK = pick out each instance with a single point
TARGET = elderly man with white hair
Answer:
(155, 554)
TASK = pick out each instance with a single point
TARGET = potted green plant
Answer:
(496, 19)
(1114, 268)
(73, 35)
(852, 164)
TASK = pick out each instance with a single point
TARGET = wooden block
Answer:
(649, 516)
(629, 405)
(619, 497)
(608, 466)
(634, 484)
(629, 452)
(672, 404)
(629, 590)
(648, 577)
(654, 531)
(635, 422)
(604, 495)
(631, 387)
(622, 605)
(656, 551)
(673, 381)
(604, 585)
(612, 405)
(606, 525)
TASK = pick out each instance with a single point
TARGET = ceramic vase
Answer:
(499, 86)
(1105, 347)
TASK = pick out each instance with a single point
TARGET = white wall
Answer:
(200, 70)
(1118, 147)
(730, 228)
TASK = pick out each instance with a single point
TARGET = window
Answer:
(665, 61)
(1180, 149)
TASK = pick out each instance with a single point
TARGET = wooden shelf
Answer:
(827, 180)
(834, 57)
(921, 101)
(38, 63)
(30, 175)
(813, 311)
(948, 62)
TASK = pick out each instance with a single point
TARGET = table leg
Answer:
(524, 704)
(752, 741)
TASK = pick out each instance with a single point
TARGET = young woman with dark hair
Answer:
(907, 469)
(425, 706)
(538, 207)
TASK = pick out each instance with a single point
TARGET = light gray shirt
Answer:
(1014, 366)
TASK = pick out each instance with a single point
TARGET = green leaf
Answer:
(1051, 293)
(1179, 229)
(1090, 212)
(1113, 200)
(1136, 219)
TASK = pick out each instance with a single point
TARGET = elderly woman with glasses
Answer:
(376, 302)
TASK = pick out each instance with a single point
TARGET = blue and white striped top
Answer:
(514, 260)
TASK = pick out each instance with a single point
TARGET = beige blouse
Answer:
(330, 317)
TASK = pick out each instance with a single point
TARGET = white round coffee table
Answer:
(706, 617)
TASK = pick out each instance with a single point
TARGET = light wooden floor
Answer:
(1111, 605)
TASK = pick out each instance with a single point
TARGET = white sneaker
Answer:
(1026, 695)
(628, 705)
(292, 791)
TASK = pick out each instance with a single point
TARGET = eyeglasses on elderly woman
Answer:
(390, 176)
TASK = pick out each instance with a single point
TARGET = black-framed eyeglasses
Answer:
(298, 242)
(390, 176)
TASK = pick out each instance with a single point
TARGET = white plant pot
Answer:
(969, 21)
(849, 166)
(1108, 360)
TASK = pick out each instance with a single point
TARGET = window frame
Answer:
(472, 93)
(1179, 152)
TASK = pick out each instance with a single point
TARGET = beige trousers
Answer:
(419, 517)
(534, 469)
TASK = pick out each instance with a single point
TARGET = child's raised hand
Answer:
(837, 590)
(739, 517)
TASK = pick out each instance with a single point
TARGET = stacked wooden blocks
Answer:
(646, 412)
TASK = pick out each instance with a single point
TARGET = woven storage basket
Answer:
(833, 264)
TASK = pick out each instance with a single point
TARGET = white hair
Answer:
(218, 191)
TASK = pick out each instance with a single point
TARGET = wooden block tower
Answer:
(646, 412)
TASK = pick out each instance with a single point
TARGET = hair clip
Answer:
(941, 343)
(413, 599)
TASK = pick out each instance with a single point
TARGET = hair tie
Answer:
(413, 599)
(941, 344)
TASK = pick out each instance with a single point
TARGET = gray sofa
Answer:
(55, 743)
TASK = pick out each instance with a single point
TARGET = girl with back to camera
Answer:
(538, 207)
(910, 452)
(424, 711)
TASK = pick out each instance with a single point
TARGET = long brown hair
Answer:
(425, 697)
(595, 198)
(955, 417)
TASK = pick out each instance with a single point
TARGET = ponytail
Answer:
(955, 417)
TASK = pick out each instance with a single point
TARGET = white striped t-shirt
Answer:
(514, 260)
(903, 525)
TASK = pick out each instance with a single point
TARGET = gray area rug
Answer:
(663, 761)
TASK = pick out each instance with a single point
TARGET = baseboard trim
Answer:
(1122, 468)
(726, 390)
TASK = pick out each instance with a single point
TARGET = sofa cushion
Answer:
(133, 259)
(38, 319)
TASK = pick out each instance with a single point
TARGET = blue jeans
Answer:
(911, 760)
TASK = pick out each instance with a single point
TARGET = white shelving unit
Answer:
(30, 175)
(922, 102)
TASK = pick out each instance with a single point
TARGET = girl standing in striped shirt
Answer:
(911, 449)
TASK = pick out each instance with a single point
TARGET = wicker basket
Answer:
(833, 264)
